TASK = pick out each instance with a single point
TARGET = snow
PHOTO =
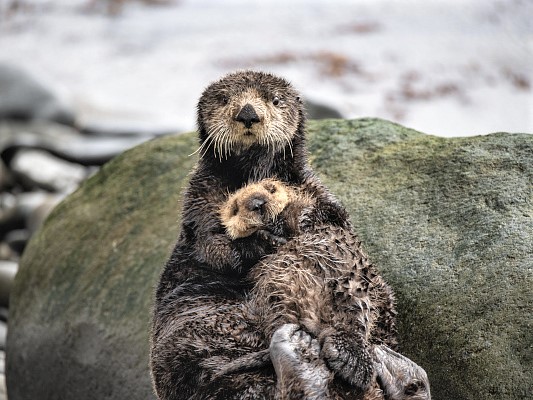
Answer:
(449, 68)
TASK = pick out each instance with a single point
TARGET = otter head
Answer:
(252, 207)
(245, 109)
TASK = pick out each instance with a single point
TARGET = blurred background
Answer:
(83, 80)
(446, 67)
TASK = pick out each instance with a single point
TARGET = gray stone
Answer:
(40, 169)
(22, 97)
(63, 142)
(448, 221)
(316, 110)
(7, 253)
(36, 206)
(2, 370)
(17, 239)
(6, 179)
(3, 334)
(8, 270)
(4, 313)
(3, 391)
(9, 218)
(25, 210)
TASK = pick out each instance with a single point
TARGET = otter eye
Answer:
(224, 99)
(276, 101)
(234, 210)
(271, 188)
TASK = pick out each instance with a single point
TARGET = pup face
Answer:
(252, 207)
(248, 108)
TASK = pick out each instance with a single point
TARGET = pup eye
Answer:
(276, 100)
(224, 99)
(234, 210)
(271, 188)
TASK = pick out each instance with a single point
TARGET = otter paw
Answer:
(400, 377)
(296, 359)
(348, 359)
(272, 239)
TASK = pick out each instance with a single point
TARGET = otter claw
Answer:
(274, 240)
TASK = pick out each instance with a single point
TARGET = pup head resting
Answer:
(252, 207)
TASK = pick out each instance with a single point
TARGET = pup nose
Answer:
(247, 116)
(257, 204)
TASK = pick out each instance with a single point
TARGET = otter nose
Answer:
(256, 204)
(247, 116)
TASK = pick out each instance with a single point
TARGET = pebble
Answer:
(3, 390)
(25, 210)
(9, 217)
(8, 270)
(40, 169)
(3, 335)
(63, 142)
(7, 253)
(6, 283)
(17, 240)
(36, 206)
(6, 180)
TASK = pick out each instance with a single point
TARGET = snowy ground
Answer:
(450, 68)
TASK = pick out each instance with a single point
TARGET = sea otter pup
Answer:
(326, 284)
(251, 126)
(322, 265)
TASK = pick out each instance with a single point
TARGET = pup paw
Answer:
(349, 359)
(299, 369)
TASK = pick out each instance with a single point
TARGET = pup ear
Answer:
(400, 377)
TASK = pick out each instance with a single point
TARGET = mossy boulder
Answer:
(448, 221)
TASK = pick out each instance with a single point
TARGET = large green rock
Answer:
(449, 222)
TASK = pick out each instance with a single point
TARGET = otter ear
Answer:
(398, 376)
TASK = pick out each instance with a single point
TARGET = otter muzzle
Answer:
(247, 116)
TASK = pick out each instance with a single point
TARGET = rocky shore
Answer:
(45, 154)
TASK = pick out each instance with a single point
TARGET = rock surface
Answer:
(448, 221)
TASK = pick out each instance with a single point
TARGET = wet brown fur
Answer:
(200, 315)
(204, 317)
(321, 278)
(323, 282)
